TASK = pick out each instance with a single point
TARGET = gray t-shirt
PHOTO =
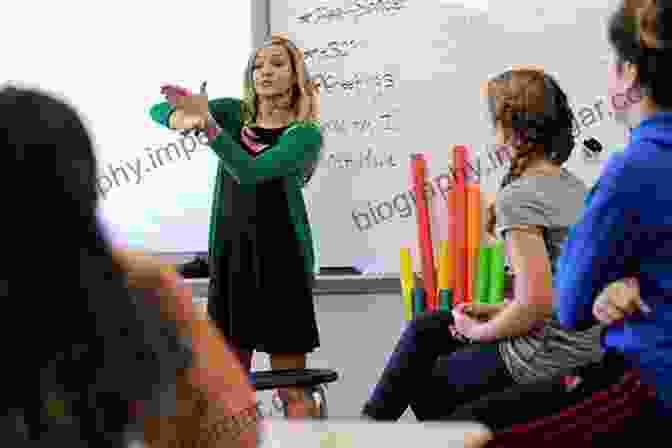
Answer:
(553, 203)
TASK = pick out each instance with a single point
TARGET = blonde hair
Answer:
(249, 99)
(250, 102)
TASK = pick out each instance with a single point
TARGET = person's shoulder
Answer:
(516, 198)
(632, 170)
(539, 187)
(557, 195)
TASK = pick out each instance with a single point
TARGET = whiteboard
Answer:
(109, 60)
(405, 76)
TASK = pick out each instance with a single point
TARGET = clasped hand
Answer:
(618, 301)
(191, 110)
(470, 318)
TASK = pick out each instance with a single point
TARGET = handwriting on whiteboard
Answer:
(368, 159)
(357, 9)
(366, 127)
(402, 205)
(333, 50)
(330, 83)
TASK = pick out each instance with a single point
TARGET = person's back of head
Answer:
(80, 327)
(640, 32)
(531, 115)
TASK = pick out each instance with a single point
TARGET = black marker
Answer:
(593, 145)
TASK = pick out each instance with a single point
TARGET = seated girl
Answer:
(110, 334)
(625, 230)
(87, 350)
(444, 360)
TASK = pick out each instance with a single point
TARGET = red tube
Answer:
(418, 168)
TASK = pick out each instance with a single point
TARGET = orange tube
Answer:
(452, 241)
(460, 155)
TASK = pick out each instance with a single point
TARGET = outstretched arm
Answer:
(227, 111)
(298, 147)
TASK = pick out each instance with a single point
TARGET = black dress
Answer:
(260, 294)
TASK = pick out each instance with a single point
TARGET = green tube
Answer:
(445, 300)
(483, 274)
(497, 272)
(418, 301)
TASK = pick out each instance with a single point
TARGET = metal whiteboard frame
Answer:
(261, 21)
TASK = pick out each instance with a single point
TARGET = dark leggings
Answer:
(434, 373)
(523, 403)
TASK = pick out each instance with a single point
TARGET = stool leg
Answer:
(315, 395)
(279, 404)
(319, 395)
(260, 411)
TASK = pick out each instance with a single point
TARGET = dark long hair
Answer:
(640, 32)
(81, 331)
(536, 118)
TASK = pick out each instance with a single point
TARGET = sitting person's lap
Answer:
(461, 377)
(434, 372)
(523, 403)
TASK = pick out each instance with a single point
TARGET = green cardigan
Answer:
(296, 148)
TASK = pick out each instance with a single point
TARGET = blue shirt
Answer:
(626, 230)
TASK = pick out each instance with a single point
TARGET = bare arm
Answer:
(533, 299)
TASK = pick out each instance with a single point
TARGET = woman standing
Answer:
(261, 251)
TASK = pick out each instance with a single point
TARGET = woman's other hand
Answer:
(309, 102)
(618, 301)
(193, 105)
(180, 120)
(308, 107)
(191, 110)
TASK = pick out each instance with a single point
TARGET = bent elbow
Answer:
(542, 310)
